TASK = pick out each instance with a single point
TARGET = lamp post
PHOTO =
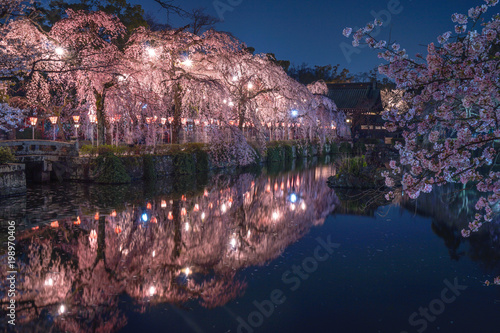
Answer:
(76, 120)
(93, 121)
(170, 121)
(53, 121)
(163, 122)
(33, 121)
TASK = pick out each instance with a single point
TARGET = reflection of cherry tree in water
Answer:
(451, 209)
(170, 251)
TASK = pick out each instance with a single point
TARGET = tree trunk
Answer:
(176, 124)
(176, 212)
(101, 117)
(241, 115)
(101, 239)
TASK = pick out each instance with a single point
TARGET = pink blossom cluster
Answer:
(138, 83)
(451, 126)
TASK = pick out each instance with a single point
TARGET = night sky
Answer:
(311, 31)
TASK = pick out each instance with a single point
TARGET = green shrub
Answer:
(352, 165)
(345, 148)
(359, 148)
(334, 148)
(149, 170)
(110, 170)
(301, 151)
(184, 162)
(288, 151)
(201, 155)
(6, 155)
(274, 154)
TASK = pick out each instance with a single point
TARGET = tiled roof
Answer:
(354, 96)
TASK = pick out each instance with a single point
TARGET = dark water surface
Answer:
(247, 253)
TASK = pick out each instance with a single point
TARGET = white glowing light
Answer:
(295, 113)
(186, 226)
(303, 206)
(152, 291)
(233, 242)
(59, 51)
(249, 233)
(292, 207)
(188, 63)
(231, 104)
(223, 208)
(250, 85)
(276, 215)
(62, 309)
(293, 198)
(203, 215)
(49, 282)
(151, 52)
(225, 101)
(154, 254)
(235, 78)
(187, 271)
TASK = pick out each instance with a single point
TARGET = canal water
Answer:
(255, 251)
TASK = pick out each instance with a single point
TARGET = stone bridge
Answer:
(26, 148)
(42, 157)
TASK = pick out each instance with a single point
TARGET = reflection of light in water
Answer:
(186, 226)
(203, 215)
(93, 236)
(223, 208)
(152, 291)
(154, 254)
(276, 215)
(292, 207)
(62, 309)
(303, 206)
(49, 282)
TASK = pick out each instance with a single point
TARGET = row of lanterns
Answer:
(53, 120)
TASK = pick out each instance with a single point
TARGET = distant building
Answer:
(362, 104)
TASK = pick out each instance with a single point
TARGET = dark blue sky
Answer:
(311, 31)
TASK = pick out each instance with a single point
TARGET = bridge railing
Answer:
(41, 147)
